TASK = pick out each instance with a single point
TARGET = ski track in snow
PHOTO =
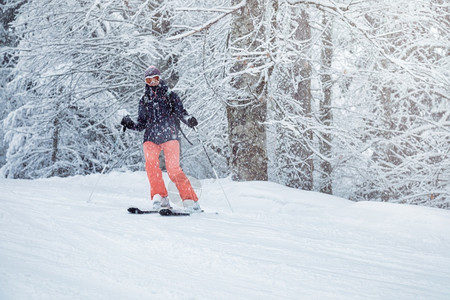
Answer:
(279, 243)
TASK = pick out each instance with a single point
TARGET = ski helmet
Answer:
(152, 71)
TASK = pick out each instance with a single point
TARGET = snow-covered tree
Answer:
(250, 73)
(291, 99)
(8, 40)
(79, 62)
(395, 88)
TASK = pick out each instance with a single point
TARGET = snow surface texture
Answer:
(279, 243)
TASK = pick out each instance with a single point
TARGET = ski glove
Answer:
(127, 123)
(192, 122)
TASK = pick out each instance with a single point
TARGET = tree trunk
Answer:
(246, 111)
(302, 94)
(326, 116)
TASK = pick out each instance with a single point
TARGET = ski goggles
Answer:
(151, 79)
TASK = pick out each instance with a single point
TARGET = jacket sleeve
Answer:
(178, 108)
(142, 118)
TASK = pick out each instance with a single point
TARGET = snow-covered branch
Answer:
(224, 12)
(322, 4)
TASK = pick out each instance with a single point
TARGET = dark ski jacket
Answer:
(159, 114)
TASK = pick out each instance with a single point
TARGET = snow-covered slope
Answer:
(279, 243)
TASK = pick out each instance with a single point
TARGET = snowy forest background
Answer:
(349, 98)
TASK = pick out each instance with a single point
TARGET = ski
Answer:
(166, 212)
(173, 212)
(135, 210)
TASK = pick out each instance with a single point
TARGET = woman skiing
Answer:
(159, 114)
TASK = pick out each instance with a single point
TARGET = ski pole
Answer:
(116, 142)
(215, 173)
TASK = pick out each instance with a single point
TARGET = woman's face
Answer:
(152, 81)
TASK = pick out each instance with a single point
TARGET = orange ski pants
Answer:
(172, 158)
